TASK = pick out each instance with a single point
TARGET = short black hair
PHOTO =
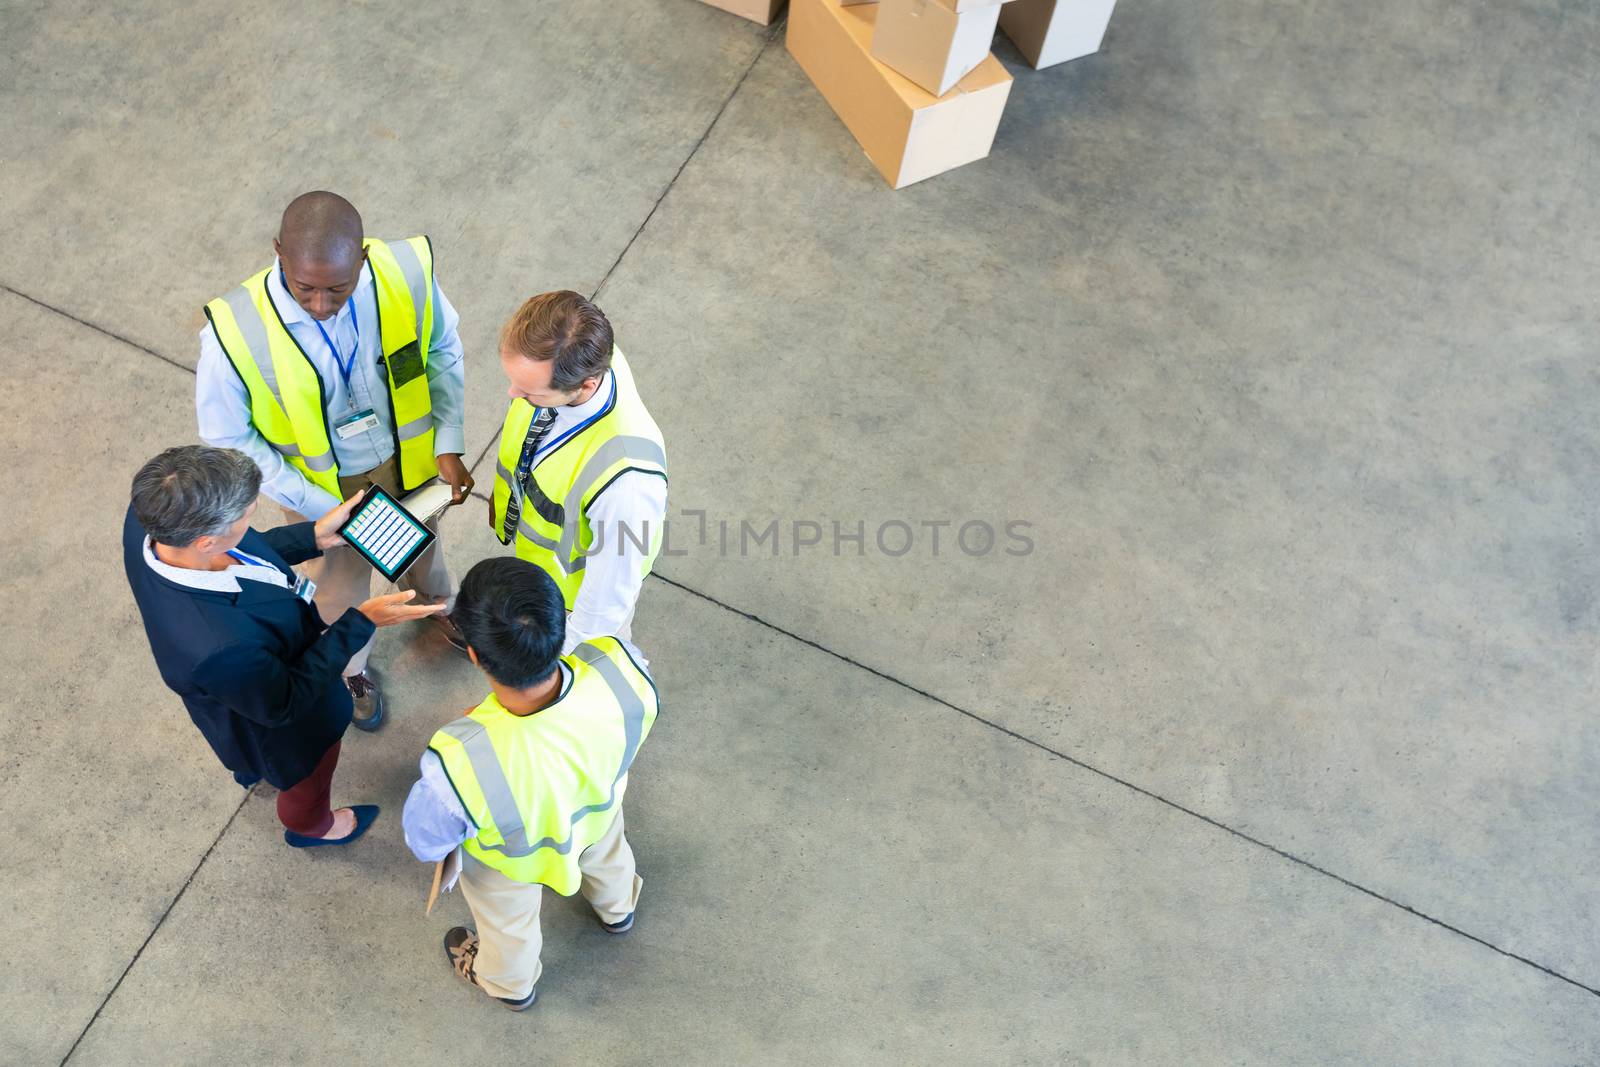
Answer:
(512, 615)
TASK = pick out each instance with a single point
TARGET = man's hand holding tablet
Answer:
(327, 527)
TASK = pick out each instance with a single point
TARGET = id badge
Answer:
(305, 589)
(360, 422)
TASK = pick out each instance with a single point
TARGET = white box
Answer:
(907, 132)
(1048, 32)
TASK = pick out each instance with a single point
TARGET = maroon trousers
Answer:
(304, 808)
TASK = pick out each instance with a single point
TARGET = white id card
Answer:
(360, 422)
(305, 588)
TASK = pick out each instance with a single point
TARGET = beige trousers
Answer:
(344, 579)
(507, 912)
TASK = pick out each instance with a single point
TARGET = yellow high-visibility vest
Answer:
(287, 403)
(541, 788)
(553, 528)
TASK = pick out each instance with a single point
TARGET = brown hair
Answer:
(566, 327)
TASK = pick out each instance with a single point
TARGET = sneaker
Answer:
(461, 949)
(621, 926)
(448, 629)
(368, 714)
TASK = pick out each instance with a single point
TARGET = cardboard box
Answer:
(931, 44)
(1048, 32)
(761, 12)
(907, 132)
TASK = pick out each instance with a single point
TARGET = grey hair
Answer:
(192, 491)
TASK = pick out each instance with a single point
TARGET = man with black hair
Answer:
(529, 784)
(337, 368)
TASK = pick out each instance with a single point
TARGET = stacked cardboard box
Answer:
(908, 133)
(1047, 32)
(761, 12)
(914, 79)
(935, 43)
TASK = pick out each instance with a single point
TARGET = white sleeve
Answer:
(222, 408)
(630, 510)
(446, 378)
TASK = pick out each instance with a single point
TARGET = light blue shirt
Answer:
(222, 403)
(434, 821)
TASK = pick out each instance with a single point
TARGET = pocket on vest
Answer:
(405, 364)
(543, 506)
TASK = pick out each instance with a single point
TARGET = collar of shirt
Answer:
(295, 315)
(213, 581)
(567, 678)
(568, 417)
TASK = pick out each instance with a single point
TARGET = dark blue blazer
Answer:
(260, 674)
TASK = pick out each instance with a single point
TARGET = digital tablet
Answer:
(383, 531)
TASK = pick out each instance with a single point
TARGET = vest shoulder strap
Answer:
(475, 755)
(616, 664)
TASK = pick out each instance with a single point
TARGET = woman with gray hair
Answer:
(234, 632)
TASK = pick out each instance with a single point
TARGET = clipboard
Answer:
(428, 502)
(445, 873)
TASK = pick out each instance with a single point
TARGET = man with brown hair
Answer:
(580, 484)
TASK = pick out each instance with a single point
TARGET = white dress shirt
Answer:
(225, 581)
(223, 404)
(637, 501)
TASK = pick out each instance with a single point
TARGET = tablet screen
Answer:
(388, 535)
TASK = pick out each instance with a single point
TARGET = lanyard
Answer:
(249, 561)
(585, 424)
(345, 366)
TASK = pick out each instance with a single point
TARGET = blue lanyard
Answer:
(345, 366)
(248, 561)
(586, 423)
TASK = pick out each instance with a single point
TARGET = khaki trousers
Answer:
(344, 578)
(507, 912)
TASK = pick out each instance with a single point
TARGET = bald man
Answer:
(335, 368)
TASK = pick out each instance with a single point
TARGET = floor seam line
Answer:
(765, 44)
(1140, 790)
(130, 342)
(155, 929)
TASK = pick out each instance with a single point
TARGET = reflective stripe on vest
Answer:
(286, 392)
(553, 528)
(467, 751)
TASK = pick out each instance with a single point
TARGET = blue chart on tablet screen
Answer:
(386, 534)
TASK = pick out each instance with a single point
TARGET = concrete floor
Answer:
(1276, 323)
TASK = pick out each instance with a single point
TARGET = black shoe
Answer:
(368, 712)
(621, 926)
(461, 949)
(451, 634)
